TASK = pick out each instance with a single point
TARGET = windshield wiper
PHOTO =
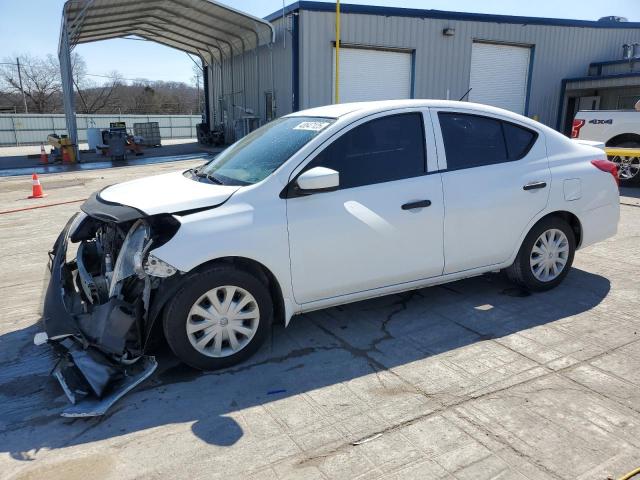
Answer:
(208, 176)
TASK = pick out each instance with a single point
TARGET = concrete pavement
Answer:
(471, 380)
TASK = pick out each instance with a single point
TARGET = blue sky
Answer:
(32, 26)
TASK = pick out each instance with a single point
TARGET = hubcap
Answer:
(223, 321)
(549, 255)
(628, 167)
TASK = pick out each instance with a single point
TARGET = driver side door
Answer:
(383, 225)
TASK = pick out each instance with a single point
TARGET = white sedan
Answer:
(319, 208)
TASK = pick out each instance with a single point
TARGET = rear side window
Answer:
(519, 140)
(381, 150)
(474, 141)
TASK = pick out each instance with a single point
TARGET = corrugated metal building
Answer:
(520, 63)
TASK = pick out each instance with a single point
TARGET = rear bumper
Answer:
(87, 340)
(599, 224)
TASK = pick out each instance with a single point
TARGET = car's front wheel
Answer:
(546, 255)
(219, 318)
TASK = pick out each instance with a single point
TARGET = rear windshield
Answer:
(256, 156)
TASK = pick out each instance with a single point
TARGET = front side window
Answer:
(474, 141)
(256, 156)
(381, 150)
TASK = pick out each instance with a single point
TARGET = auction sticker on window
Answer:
(312, 126)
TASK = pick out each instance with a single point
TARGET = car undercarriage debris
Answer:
(93, 406)
(96, 308)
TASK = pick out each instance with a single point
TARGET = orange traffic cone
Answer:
(65, 155)
(43, 154)
(36, 188)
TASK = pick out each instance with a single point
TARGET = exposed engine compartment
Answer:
(114, 277)
(97, 312)
(114, 287)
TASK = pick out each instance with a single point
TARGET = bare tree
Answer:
(43, 89)
(93, 98)
(40, 81)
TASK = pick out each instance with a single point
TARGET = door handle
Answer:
(418, 204)
(534, 185)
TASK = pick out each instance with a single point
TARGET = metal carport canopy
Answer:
(204, 28)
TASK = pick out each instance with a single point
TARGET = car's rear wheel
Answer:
(628, 167)
(219, 318)
(546, 255)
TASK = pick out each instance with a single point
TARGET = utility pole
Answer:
(24, 98)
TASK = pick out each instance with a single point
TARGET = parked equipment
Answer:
(63, 149)
(117, 141)
(210, 137)
(94, 138)
(118, 127)
(149, 133)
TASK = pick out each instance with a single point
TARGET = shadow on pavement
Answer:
(317, 350)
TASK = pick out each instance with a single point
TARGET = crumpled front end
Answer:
(97, 310)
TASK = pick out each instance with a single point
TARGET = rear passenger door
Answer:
(496, 179)
(383, 226)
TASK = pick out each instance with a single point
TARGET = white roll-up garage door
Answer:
(499, 75)
(368, 74)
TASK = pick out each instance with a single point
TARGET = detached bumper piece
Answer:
(92, 382)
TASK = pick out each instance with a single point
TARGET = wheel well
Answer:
(572, 220)
(625, 137)
(262, 273)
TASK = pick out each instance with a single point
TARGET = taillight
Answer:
(575, 128)
(607, 166)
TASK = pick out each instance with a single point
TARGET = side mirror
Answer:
(316, 180)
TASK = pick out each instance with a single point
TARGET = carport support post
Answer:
(258, 103)
(233, 93)
(337, 67)
(244, 83)
(274, 103)
(66, 73)
(218, 95)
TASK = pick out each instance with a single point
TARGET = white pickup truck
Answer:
(616, 128)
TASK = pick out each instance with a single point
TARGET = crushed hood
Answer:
(167, 193)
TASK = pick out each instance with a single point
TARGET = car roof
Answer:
(338, 110)
(363, 108)
(355, 110)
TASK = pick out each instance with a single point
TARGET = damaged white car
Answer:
(318, 208)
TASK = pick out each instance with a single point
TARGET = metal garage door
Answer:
(499, 75)
(367, 74)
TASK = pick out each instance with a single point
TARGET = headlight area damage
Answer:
(97, 309)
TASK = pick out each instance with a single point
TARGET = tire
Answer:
(523, 270)
(633, 170)
(200, 306)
